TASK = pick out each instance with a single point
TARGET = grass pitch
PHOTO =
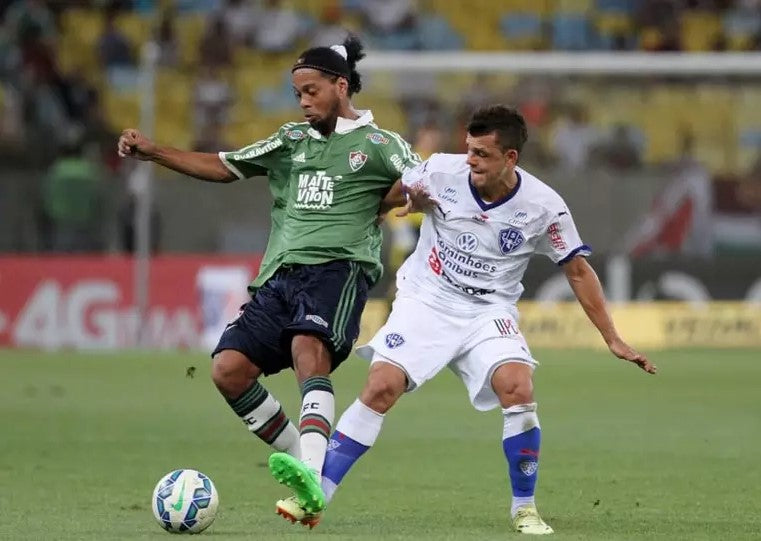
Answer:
(625, 455)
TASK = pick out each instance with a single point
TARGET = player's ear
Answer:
(511, 157)
(343, 87)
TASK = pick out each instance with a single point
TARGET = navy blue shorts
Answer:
(324, 300)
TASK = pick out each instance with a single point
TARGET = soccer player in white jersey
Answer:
(456, 301)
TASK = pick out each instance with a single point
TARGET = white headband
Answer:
(340, 49)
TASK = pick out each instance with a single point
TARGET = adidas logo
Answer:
(300, 158)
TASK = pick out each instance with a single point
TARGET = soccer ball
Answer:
(185, 501)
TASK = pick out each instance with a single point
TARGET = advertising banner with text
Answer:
(86, 302)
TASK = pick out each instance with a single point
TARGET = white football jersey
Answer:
(471, 254)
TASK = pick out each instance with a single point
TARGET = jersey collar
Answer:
(346, 125)
(488, 206)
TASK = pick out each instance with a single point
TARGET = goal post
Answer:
(565, 63)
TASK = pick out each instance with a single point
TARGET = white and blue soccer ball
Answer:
(185, 501)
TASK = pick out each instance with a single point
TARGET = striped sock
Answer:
(265, 418)
(317, 412)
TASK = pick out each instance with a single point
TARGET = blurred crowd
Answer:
(69, 81)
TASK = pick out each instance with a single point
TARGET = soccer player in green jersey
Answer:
(328, 176)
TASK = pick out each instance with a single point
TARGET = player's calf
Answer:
(385, 384)
(234, 375)
(312, 362)
(521, 437)
(521, 433)
(360, 424)
(356, 432)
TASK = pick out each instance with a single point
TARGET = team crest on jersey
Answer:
(295, 135)
(356, 160)
(394, 340)
(510, 239)
(467, 242)
(377, 138)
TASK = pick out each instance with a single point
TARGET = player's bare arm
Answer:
(201, 165)
(394, 198)
(410, 200)
(586, 286)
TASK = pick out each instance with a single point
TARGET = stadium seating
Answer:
(261, 84)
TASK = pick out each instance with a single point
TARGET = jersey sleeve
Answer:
(257, 158)
(560, 240)
(398, 156)
(417, 175)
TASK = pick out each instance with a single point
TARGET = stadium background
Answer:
(662, 172)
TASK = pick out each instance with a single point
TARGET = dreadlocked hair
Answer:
(354, 53)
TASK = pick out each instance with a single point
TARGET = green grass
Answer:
(625, 456)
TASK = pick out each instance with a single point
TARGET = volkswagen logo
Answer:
(467, 242)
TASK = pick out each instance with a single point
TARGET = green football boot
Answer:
(300, 478)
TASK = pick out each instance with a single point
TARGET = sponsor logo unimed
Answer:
(295, 135)
(377, 138)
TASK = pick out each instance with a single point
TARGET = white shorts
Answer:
(422, 340)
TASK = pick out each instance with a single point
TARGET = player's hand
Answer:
(418, 200)
(134, 144)
(622, 350)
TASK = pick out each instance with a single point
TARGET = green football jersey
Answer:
(262, 158)
(332, 187)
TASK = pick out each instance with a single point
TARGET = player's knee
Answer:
(382, 390)
(516, 392)
(310, 356)
(232, 374)
(512, 384)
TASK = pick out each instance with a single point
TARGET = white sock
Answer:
(288, 441)
(317, 414)
(519, 419)
(361, 423)
(520, 502)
